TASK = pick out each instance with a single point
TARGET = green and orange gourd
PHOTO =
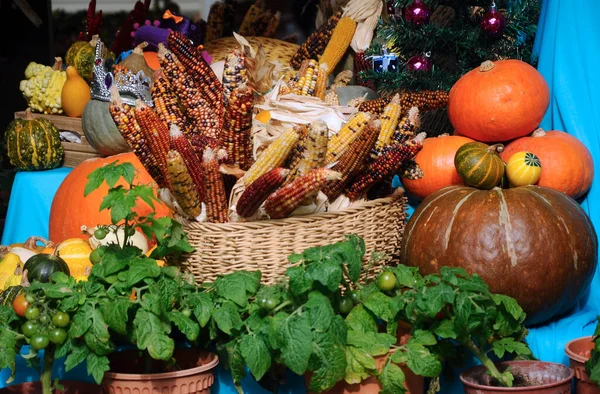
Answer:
(480, 165)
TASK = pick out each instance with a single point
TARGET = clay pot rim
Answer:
(518, 389)
(165, 375)
(574, 356)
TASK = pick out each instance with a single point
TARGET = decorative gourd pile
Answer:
(42, 87)
(196, 141)
(481, 209)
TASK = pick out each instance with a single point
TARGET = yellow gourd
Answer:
(75, 94)
(523, 168)
(8, 265)
(76, 253)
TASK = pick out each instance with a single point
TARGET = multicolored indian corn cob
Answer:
(215, 21)
(411, 170)
(361, 63)
(307, 79)
(124, 118)
(155, 133)
(201, 142)
(315, 150)
(283, 202)
(385, 166)
(198, 111)
(340, 141)
(272, 25)
(167, 106)
(424, 100)
(389, 122)
(376, 106)
(237, 123)
(315, 44)
(296, 154)
(181, 144)
(248, 26)
(259, 190)
(182, 185)
(205, 78)
(339, 43)
(354, 159)
(273, 156)
(234, 73)
(215, 197)
(408, 126)
(321, 86)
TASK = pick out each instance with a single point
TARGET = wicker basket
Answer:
(265, 245)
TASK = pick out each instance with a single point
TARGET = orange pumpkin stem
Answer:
(539, 132)
(28, 115)
(486, 66)
(139, 49)
(496, 148)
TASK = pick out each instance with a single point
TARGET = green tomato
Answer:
(61, 319)
(29, 328)
(354, 296)
(44, 319)
(186, 312)
(130, 231)
(271, 303)
(39, 341)
(262, 302)
(100, 233)
(57, 336)
(346, 305)
(30, 298)
(386, 281)
(96, 255)
(32, 313)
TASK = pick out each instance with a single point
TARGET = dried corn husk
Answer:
(366, 13)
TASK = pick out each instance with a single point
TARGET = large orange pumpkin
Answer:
(567, 165)
(70, 209)
(498, 101)
(532, 243)
(436, 159)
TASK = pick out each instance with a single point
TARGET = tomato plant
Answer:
(386, 281)
(61, 319)
(100, 233)
(39, 341)
(20, 305)
(29, 328)
(346, 305)
(57, 336)
(32, 313)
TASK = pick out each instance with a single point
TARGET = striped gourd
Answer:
(523, 168)
(480, 165)
(33, 144)
(339, 43)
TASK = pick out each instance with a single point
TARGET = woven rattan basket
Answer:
(265, 245)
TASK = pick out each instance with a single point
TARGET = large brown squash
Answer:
(532, 243)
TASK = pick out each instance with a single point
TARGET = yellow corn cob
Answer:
(272, 157)
(321, 86)
(296, 154)
(314, 152)
(354, 159)
(182, 186)
(248, 24)
(283, 202)
(339, 43)
(332, 98)
(214, 189)
(340, 141)
(307, 79)
(389, 122)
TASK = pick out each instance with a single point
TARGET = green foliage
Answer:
(455, 49)
(592, 366)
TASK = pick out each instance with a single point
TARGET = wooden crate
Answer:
(74, 153)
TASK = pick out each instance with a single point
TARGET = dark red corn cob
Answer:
(259, 190)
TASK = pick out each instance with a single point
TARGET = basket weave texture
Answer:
(222, 248)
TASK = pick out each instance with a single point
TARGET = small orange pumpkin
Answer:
(567, 164)
(436, 159)
(498, 101)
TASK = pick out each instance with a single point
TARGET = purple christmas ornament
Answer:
(417, 13)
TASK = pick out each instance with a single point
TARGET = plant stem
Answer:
(46, 375)
(485, 361)
(281, 306)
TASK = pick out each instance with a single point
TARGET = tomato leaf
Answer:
(320, 312)
(392, 379)
(297, 346)
(256, 355)
(227, 318)
(359, 319)
(300, 281)
(76, 356)
(142, 269)
(375, 344)
(202, 304)
(421, 361)
(150, 334)
(115, 315)
(330, 361)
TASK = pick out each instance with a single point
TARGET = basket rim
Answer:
(397, 195)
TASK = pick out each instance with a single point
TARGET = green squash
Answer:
(33, 144)
(81, 55)
(41, 267)
(7, 296)
(100, 129)
(480, 165)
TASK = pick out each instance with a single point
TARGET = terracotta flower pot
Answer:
(542, 377)
(196, 375)
(578, 352)
(70, 387)
(414, 383)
